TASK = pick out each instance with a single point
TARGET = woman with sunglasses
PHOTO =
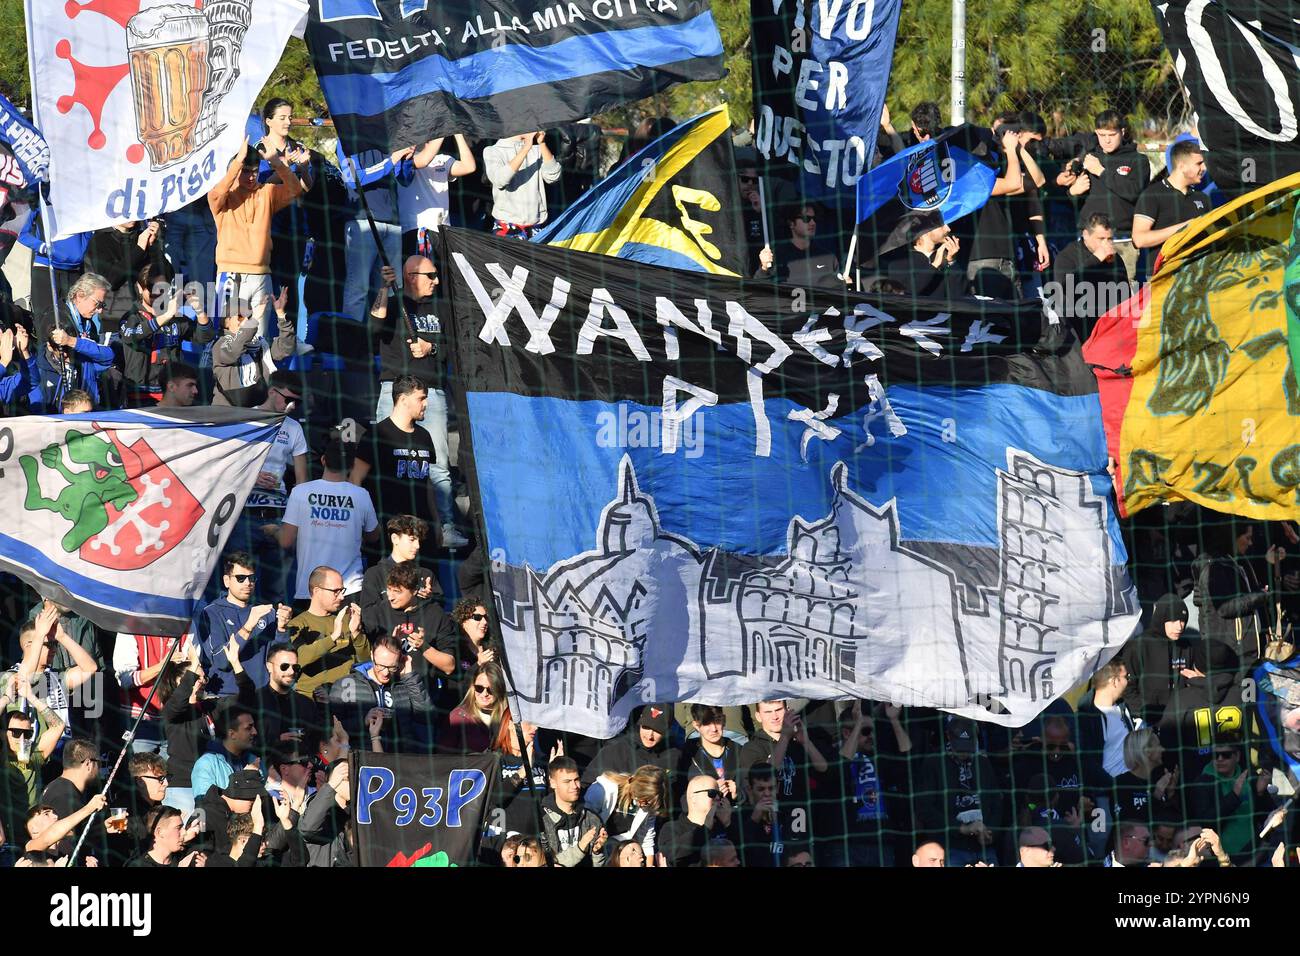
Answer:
(475, 724)
(631, 805)
(474, 647)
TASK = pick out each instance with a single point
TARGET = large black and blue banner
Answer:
(396, 73)
(820, 70)
(697, 487)
(418, 809)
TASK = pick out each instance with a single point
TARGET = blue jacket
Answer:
(218, 621)
(18, 380)
(67, 253)
(215, 767)
(88, 360)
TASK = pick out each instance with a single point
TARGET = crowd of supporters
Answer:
(348, 612)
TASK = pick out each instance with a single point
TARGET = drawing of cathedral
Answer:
(837, 608)
(589, 616)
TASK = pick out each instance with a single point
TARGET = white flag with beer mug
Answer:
(145, 103)
(121, 516)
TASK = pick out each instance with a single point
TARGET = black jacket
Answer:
(275, 713)
(1226, 597)
(1126, 172)
(186, 727)
(624, 754)
(1150, 658)
(411, 727)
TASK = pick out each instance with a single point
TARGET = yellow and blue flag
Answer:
(674, 203)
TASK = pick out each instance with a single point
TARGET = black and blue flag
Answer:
(396, 73)
(923, 187)
(699, 487)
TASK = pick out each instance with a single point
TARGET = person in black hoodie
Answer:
(187, 722)
(423, 628)
(1107, 168)
(1156, 658)
(646, 743)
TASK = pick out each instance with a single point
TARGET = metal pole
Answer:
(395, 296)
(958, 101)
(126, 748)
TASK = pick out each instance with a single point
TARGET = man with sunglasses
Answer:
(683, 840)
(72, 790)
(327, 637)
(1036, 848)
(255, 627)
(415, 344)
(1235, 799)
(801, 258)
(72, 356)
(283, 717)
(23, 755)
(867, 782)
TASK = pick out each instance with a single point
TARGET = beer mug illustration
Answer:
(167, 49)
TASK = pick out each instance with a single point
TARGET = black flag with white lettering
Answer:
(703, 487)
(820, 70)
(396, 73)
(1238, 62)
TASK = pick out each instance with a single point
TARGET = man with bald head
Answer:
(684, 840)
(929, 854)
(415, 344)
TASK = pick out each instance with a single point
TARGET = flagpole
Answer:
(457, 398)
(957, 102)
(762, 209)
(127, 740)
(396, 296)
(40, 194)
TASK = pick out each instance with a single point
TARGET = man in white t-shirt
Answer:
(425, 204)
(327, 521)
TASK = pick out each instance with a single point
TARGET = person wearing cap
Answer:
(1036, 848)
(219, 804)
(959, 796)
(647, 743)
